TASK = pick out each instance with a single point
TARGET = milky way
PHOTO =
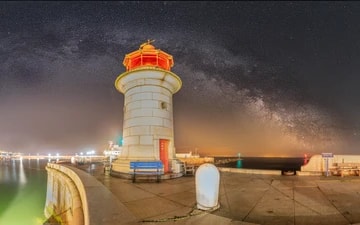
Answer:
(260, 78)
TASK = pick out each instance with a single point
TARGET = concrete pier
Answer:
(245, 199)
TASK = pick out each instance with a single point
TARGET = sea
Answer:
(22, 192)
(264, 163)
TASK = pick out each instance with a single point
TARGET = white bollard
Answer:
(207, 182)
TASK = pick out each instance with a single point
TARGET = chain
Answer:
(194, 212)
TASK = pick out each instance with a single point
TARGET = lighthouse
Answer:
(148, 126)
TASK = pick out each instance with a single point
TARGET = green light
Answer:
(239, 164)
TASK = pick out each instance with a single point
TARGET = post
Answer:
(327, 167)
(326, 156)
(207, 182)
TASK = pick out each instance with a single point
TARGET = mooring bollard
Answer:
(207, 182)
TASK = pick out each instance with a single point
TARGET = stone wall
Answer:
(65, 197)
(77, 198)
(250, 171)
(197, 161)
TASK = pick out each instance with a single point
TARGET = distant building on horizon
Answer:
(113, 150)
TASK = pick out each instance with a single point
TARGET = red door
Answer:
(164, 153)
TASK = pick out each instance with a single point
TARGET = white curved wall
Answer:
(81, 199)
(66, 196)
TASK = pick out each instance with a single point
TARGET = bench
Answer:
(189, 169)
(146, 168)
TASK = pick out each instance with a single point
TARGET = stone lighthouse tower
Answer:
(148, 86)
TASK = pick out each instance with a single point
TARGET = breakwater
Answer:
(264, 163)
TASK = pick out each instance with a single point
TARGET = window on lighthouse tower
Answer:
(163, 105)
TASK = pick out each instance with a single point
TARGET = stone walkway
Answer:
(244, 199)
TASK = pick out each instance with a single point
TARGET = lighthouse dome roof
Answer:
(147, 46)
(148, 56)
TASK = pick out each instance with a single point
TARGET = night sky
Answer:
(259, 78)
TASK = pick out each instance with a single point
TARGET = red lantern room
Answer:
(147, 56)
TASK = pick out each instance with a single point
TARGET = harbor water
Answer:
(266, 163)
(22, 192)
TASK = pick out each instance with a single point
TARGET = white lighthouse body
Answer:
(148, 86)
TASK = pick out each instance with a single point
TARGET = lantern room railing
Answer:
(147, 55)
